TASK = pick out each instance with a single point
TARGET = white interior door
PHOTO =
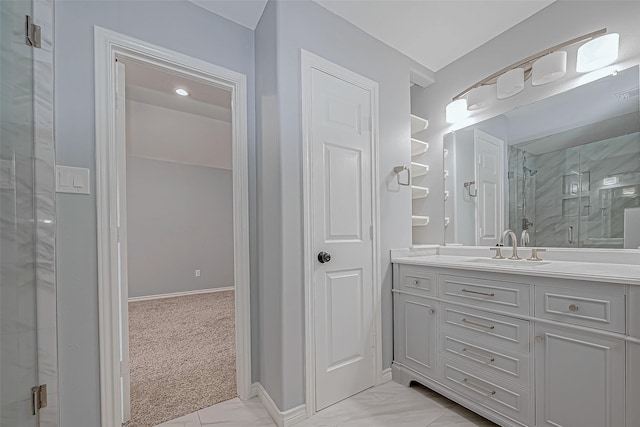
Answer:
(341, 216)
(123, 286)
(489, 158)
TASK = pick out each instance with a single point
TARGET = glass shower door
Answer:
(18, 328)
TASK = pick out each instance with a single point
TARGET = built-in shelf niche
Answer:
(418, 124)
(418, 169)
(418, 147)
(419, 220)
(418, 192)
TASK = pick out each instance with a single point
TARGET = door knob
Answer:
(324, 257)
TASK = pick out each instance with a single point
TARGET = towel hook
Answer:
(398, 170)
(468, 185)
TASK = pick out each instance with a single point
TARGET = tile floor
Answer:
(389, 404)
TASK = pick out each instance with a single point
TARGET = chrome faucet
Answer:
(514, 242)
(524, 238)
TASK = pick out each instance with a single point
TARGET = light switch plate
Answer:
(72, 180)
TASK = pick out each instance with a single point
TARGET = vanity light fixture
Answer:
(480, 97)
(510, 83)
(182, 92)
(456, 110)
(546, 66)
(598, 53)
(549, 68)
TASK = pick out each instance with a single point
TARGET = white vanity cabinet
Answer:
(580, 378)
(520, 350)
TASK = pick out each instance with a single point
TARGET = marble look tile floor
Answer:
(389, 404)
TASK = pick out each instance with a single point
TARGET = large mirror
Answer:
(566, 169)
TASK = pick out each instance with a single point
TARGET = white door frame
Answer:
(108, 45)
(311, 61)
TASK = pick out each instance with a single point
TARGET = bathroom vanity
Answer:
(524, 343)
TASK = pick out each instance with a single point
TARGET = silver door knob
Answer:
(324, 257)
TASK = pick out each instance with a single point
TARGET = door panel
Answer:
(18, 319)
(340, 145)
(489, 154)
(343, 201)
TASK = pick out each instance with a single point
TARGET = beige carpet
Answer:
(182, 354)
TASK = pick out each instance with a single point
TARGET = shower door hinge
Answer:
(32, 33)
(38, 397)
(511, 175)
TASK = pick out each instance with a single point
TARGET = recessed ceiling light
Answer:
(182, 92)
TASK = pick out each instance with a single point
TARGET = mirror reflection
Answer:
(565, 169)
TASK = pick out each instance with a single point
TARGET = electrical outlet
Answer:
(197, 273)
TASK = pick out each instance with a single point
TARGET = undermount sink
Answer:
(508, 263)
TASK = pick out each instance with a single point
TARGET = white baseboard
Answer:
(181, 294)
(386, 375)
(281, 418)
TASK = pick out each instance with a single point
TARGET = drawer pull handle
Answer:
(468, 322)
(478, 293)
(573, 307)
(490, 359)
(416, 282)
(478, 388)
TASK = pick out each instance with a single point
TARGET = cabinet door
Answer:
(633, 384)
(415, 338)
(580, 379)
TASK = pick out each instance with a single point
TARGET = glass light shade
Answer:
(480, 97)
(549, 68)
(510, 83)
(598, 53)
(456, 110)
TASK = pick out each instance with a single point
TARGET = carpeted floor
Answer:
(183, 355)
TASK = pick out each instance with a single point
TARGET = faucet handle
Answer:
(534, 254)
(498, 253)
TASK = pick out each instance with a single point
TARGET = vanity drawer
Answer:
(491, 392)
(417, 280)
(497, 295)
(513, 366)
(501, 332)
(583, 307)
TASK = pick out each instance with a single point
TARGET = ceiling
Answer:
(162, 125)
(432, 32)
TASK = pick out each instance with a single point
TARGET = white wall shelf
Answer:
(418, 147)
(418, 169)
(419, 220)
(419, 192)
(418, 124)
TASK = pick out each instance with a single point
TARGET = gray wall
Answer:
(305, 25)
(268, 205)
(179, 219)
(561, 21)
(176, 25)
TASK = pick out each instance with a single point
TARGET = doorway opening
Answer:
(179, 244)
(172, 190)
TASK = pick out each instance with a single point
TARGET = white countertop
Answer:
(600, 272)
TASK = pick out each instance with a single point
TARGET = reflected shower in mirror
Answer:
(566, 169)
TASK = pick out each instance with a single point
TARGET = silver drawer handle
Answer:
(416, 282)
(468, 322)
(478, 388)
(479, 293)
(573, 307)
(490, 359)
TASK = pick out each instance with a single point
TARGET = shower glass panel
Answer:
(18, 332)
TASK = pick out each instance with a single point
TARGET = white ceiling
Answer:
(432, 32)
